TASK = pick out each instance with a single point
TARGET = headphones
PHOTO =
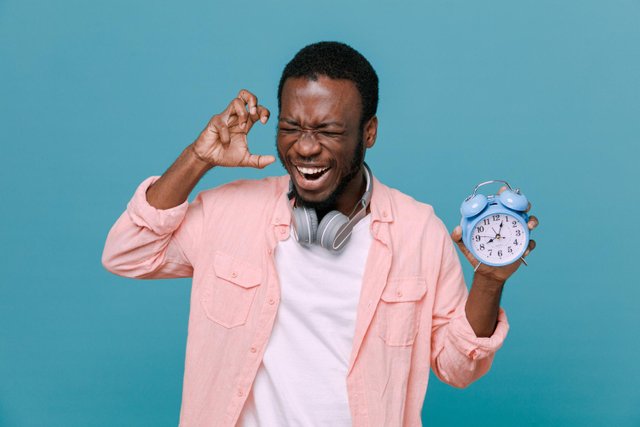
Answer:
(475, 203)
(334, 230)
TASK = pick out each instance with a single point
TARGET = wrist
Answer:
(488, 282)
(196, 161)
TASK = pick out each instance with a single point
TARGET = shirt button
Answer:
(240, 393)
(269, 251)
(271, 301)
(283, 230)
(399, 293)
(253, 349)
(277, 220)
(234, 274)
(384, 214)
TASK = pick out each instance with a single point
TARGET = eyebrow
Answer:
(318, 126)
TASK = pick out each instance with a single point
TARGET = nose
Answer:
(307, 144)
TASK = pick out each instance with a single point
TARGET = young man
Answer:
(290, 322)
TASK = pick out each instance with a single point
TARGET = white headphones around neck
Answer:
(334, 230)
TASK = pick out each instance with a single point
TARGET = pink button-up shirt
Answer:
(410, 314)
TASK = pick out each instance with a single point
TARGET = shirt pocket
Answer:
(398, 310)
(230, 290)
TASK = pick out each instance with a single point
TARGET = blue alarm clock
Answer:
(494, 227)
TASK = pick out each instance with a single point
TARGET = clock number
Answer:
(486, 221)
(490, 251)
(477, 238)
(518, 233)
(515, 242)
(481, 246)
(496, 217)
(480, 229)
(514, 224)
(500, 254)
(510, 250)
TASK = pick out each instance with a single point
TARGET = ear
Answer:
(370, 132)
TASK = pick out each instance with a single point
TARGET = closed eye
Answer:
(331, 134)
(321, 133)
(288, 130)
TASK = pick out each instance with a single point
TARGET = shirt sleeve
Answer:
(458, 356)
(150, 243)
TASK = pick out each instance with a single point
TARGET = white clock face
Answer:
(498, 239)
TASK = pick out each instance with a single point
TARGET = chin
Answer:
(313, 197)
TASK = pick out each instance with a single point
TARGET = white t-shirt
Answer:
(302, 378)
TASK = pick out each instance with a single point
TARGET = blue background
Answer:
(96, 96)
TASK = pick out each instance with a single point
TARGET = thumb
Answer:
(456, 236)
(258, 161)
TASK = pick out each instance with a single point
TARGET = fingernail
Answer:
(243, 125)
(263, 119)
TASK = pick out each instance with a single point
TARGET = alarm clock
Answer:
(494, 227)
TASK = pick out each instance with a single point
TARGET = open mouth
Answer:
(312, 174)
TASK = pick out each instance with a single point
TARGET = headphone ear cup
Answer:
(473, 206)
(329, 228)
(513, 200)
(306, 225)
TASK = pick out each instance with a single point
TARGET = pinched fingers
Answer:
(263, 113)
(251, 103)
(237, 114)
(244, 111)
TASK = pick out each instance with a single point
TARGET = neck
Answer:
(352, 193)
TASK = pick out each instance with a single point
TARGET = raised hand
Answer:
(223, 142)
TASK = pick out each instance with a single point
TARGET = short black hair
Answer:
(337, 61)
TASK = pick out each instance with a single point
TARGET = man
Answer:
(283, 332)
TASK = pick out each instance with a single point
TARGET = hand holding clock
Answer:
(498, 274)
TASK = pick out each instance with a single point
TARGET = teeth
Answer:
(311, 171)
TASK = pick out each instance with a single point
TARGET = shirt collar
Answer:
(282, 212)
(380, 203)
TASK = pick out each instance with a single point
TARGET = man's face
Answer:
(320, 141)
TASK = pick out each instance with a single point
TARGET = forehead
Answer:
(317, 101)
